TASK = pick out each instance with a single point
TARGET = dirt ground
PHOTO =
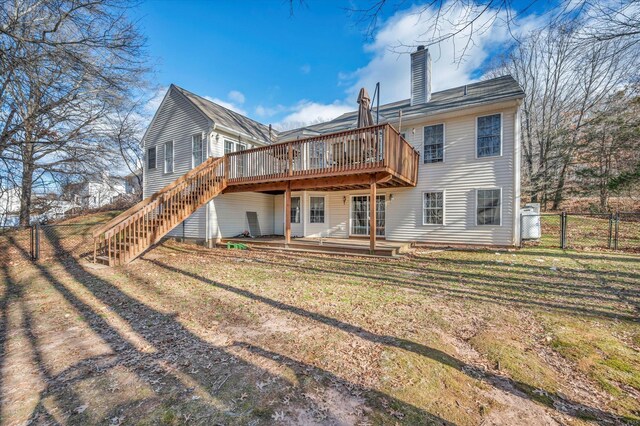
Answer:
(187, 335)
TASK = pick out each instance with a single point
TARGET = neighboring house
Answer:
(132, 183)
(96, 193)
(468, 186)
(9, 206)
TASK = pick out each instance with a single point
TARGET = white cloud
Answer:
(236, 96)
(266, 112)
(307, 112)
(155, 99)
(228, 105)
(391, 60)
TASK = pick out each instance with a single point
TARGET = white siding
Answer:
(228, 214)
(459, 176)
(177, 120)
(278, 216)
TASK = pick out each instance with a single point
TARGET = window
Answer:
(433, 208)
(488, 139)
(151, 158)
(198, 150)
(316, 210)
(488, 206)
(168, 157)
(434, 144)
(229, 146)
(295, 210)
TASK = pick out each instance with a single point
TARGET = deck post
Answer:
(372, 216)
(287, 215)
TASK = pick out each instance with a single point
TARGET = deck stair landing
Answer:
(370, 157)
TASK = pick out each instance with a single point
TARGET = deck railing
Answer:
(133, 231)
(353, 151)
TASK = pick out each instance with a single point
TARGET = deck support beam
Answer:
(372, 216)
(287, 215)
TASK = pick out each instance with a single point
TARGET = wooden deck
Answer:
(336, 161)
(371, 157)
(346, 246)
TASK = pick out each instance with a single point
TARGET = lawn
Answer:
(187, 335)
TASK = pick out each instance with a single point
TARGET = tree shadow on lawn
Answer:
(178, 363)
(490, 286)
(519, 389)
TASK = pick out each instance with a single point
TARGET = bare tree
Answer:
(566, 82)
(608, 160)
(69, 64)
(600, 21)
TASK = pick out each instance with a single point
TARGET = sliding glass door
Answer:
(360, 210)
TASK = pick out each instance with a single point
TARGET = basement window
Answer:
(316, 210)
(489, 206)
(433, 208)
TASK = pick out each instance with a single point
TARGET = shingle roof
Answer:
(228, 118)
(483, 92)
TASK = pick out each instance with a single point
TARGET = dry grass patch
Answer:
(197, 336)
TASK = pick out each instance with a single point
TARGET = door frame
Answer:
(352, 235)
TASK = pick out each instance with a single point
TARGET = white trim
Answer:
(517, 161)
(173, 157)
(501, 135)
(324, 213)
(475, 210)
(444, 208)
(444, 143)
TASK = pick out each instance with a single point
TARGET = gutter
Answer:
(236, 132)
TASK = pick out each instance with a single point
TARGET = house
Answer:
(96, 192)
(443, 167)
(9, 206)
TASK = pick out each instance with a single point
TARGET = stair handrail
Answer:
(209, 162)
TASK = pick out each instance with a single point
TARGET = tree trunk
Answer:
(25, 194)
(557, 196)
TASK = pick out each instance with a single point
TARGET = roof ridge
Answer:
(188, 92)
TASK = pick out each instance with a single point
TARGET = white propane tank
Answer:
(531, 229)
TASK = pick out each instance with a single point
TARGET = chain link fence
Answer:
(582, 231)
(44, 242)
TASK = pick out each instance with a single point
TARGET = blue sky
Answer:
(287, 70)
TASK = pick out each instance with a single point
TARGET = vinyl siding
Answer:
(228, 213)
(459, 176)
(176, 120)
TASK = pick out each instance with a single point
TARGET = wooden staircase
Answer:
(370, 157)
(128, 235)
